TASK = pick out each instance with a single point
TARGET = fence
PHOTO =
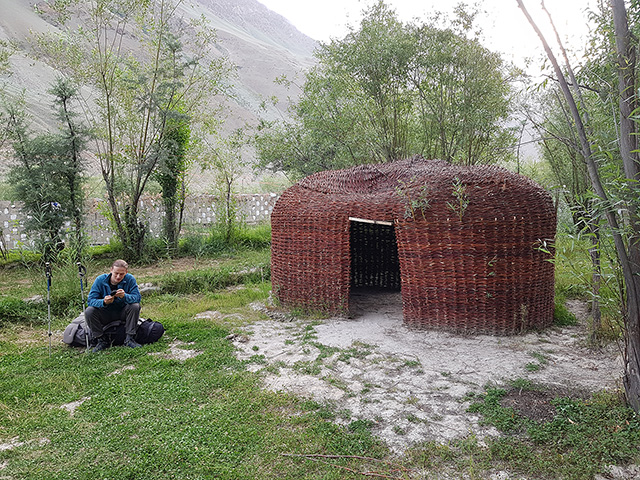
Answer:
(199, 211)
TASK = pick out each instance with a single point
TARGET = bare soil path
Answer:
(416, 385)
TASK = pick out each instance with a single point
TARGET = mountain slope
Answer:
(262, 44)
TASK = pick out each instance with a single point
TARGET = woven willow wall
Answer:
(467, 246)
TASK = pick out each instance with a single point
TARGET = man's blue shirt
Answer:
(102, 287)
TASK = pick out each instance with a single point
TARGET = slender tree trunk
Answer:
(75, 190)
(628, 149)
(229, 212)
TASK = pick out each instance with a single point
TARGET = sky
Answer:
(505, 28)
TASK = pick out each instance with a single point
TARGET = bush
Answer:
(210, 280)
(213, 242)
(255, 237)
(15, 310)
(562, 317)
(65, 288)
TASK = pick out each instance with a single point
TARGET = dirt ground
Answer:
(416, 385)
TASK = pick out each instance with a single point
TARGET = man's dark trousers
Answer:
(98, 318)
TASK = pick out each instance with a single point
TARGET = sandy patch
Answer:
(11, 444)
(15, 443)
(177, 352)
(119, 371)
(415, 385)
(72, 406)
(209, 315)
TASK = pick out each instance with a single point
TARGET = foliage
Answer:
(171, 175)
(212, 279)
(583, 437)
(562, 317)
(47, 175)
(561, 152)
(613, 167)
(573, 274)
(413, 203)
(213, 242)
(226, 159)
(16, 310)
(138, 90)
(73, 139)
(6, 50)
(460, 200)
(390, 90)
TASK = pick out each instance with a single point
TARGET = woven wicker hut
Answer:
(467, 246)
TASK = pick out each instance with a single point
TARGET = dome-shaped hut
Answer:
(467, 246)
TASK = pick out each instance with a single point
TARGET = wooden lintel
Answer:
(365, 220)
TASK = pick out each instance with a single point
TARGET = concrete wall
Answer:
(199, 211)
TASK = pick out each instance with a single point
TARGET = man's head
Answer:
(118, 270)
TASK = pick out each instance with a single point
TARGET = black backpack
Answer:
(75, 335)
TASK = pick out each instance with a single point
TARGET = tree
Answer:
(171, 175)
(131, 53)
(390, 90)
(72, 143)
(226, 160)
(622, 218)
(568, 169)
(464, 98)
(48, 175)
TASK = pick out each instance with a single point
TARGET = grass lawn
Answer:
(140, 414)
(143, 416)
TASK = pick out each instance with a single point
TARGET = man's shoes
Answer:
(131, 343)
(103, 344)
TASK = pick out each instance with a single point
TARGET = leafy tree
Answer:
(72, 143)
(48, 174)
(131, 53)
(226, 160)
(464, 98)
(390, 90)
(561, 151)
(171, 175)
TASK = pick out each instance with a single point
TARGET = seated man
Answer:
(114, 297)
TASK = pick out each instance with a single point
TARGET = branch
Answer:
(585, 87)
(592, 168)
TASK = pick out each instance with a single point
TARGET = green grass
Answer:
(562, 317)
(213, 242)
(573, 280)
(15, 310)
(213, 279)
(204, 418)
(583, 437)
(573, 272)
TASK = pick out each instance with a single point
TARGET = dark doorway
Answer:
(374, 255)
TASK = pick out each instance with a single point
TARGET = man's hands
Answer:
(108, 300)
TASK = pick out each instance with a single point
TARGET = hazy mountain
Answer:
(262, 43)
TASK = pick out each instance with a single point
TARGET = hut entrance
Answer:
(375, 268)
(374, 255)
